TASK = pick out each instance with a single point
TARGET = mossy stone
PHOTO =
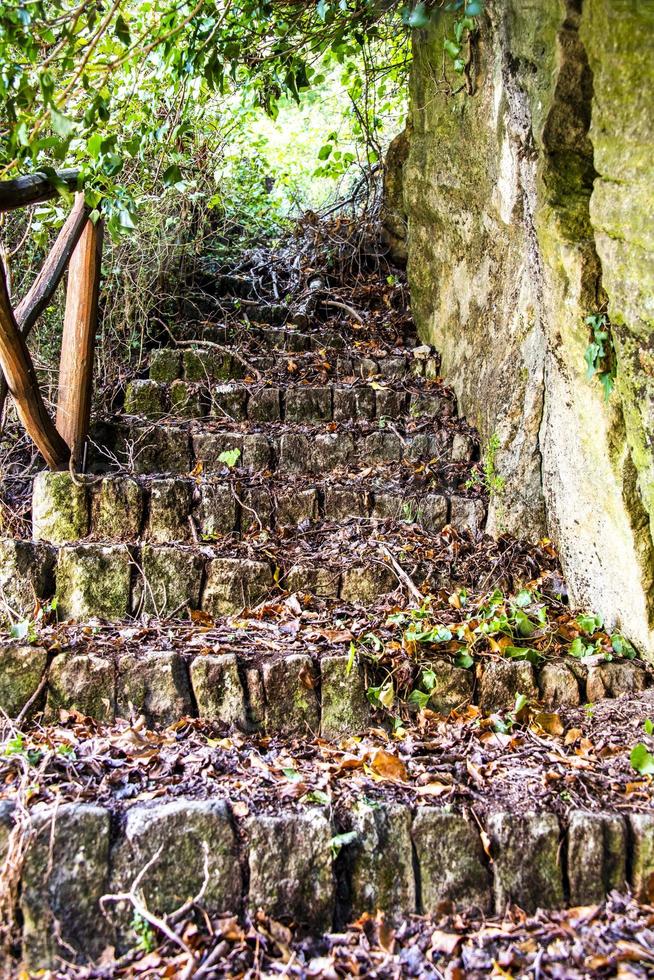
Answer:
(81, 682)
(60, 508)
(291, 700)
(381, 860)
(453, 867)
(170, 509)
(233, 584)
(65, 873)
(117, 509)
(165, 364)
(93, 580)
(345, 708)
(365, 583)
(526, 862)
(155, 685)
(21, 670)
(147, 398)
(169, 580)
(26, 575)
(186, 401)
(218, 690)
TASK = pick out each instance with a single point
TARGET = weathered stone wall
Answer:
(527, 205)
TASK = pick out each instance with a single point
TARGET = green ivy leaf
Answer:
(642, 760)
(61, 124)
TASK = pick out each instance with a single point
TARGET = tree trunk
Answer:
(78, 341)
(23, 384)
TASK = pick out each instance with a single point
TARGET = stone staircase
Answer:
(256, 476)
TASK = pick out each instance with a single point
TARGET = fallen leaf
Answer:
(387, 765)
(444, 942)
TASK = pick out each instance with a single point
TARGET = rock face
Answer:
(529, 208)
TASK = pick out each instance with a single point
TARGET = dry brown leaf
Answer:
(444, 942)
(549, 722)
(387, 765)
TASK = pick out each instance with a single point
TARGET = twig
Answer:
(343, 306)
(401, 574)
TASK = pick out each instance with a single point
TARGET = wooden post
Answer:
(78, 341)
(23, 384)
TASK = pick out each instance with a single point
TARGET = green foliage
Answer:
(146, 938)
(600, 354)
(489, 478)
(230, 457)
(27, 630)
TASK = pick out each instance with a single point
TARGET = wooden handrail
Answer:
(24, 386)
(78, 246)
(33, 189)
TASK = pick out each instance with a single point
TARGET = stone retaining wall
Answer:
(400, 861)
(296, 693)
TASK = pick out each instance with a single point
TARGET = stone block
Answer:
(381, 447)
(218, 690)
(7, 808)
(294, 453)
(217, 512)
(257, 506)
(165, 364)
(208, 447)
(502, 680)
(342, 504)
(83, 682)
(452, 688)
(66, 872)
(392, 506)
(229, 402)
(155, 685)
(186, 401)
(366, 583)
(323, 582)
(264, 405)
(93, 580)
(390, 404)
(256, 698)
(183, 842)
(257, 453)
(525, 851)
(345, 404)
(117, 508)
(345, 707)
(453, 867)
(431, 511)
(366, 367)
(291, 700)
(422, 447)
(308, 404)
(146, 398)
(168, 580)
(21, 670)
(204, 365)
(26, 574)
(463, 448)
(60, 508)
(381, 862)
(160, 449)
(558, 685)
(613, 679)
(296, 506)
(291, 876)
(393, 367)
(425, 405)
(364, 403)
(331, 451)
(170, 509)
(597, 856)
(234, 584)
(642, 856)
(467, 514)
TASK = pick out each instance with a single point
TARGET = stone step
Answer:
(315, 688)
(207, 364)
(117, 508)
(314, 448)
(155, 400)
(303, 865)
(112, 581)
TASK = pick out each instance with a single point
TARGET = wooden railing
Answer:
(78, 247)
